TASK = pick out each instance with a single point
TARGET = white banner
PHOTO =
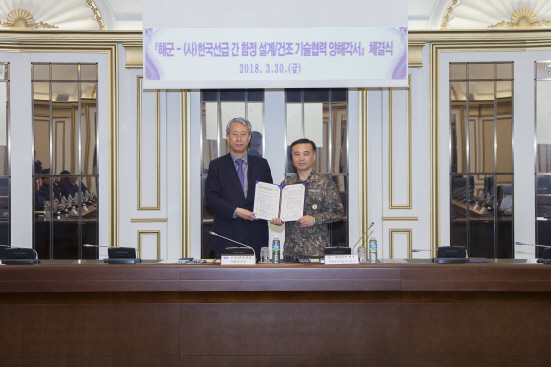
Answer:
(193, 58)
(194, 44)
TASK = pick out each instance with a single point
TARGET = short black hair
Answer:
(304, 141)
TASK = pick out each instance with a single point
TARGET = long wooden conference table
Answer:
(394, 313)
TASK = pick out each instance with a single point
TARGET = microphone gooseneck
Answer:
(367, 230)
(530, 244)
(229, 239)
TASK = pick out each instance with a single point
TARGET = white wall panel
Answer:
(149, 149)
(150, 238)
(353, 167)
(274, 145)
(399, 243)
(420, 164)
(523, 143)
(21, 148)
(376, 122)
(172, 239)
(196, 173)
(149, 244)
(128, 190)
(444, 152)
(399, 150)
(399, 238)
(3, 111)
(150, 185)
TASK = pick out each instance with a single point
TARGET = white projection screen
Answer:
(192, 44)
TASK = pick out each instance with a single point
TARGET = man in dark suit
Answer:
(70, 186)
(39, 197)
(230, 189)
(45, 188)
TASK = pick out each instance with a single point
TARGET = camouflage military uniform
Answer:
(321, 201)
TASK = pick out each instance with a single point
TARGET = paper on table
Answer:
(292, 205)
(266, 200)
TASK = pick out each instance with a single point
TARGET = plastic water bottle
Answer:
(46, 210)
(276, 246)
(372, 250)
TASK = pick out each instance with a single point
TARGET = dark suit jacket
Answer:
(69, 189)
(224, 194)
(45, 190)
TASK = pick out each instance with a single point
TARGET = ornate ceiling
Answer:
(512, 14)
(71, 14)
(127, 14)
(478, 14)
(51, 14)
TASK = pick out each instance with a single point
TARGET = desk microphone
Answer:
(22, 248)
(435, 249)
(229, 239)
(367, 230)
(448, 254)
(20, 255)
(114, 247)
(546, 253)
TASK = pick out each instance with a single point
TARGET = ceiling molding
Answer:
(448, 14)
(530, 37)
(107, 14)
(415, 51)
(134, 55)
(476, 14)
(416, 39)
(437, 12)
(46, 38)
(23, 19)
(523, 18)
(97, 15)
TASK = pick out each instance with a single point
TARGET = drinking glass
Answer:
(265, 255)
(362, 254)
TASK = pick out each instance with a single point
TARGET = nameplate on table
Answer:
(341, 259)
(238, 260)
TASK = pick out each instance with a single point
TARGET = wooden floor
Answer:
(66, 314)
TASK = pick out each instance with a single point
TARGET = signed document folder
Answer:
(274, 201)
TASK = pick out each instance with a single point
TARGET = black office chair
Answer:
(489, 186)
(459, 187)
(505, 197)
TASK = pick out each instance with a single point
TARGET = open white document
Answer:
(273, 201)
(292, 202)
(266, 200)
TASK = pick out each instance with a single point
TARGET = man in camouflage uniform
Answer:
(309, 235)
